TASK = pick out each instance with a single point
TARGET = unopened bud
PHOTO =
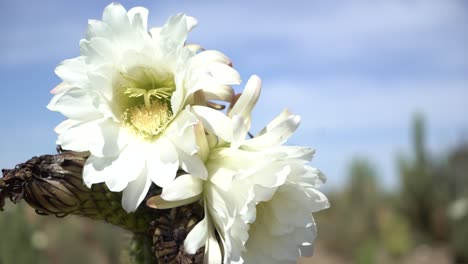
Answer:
(52, 184)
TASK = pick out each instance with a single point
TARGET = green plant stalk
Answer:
(53, 185)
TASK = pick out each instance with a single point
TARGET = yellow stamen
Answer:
(148, 121)
(143, 97)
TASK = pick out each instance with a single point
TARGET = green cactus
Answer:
(52, 185)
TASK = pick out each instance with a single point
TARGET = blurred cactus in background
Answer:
(395, 233)
(363, 191)
(417, 190)
(424, 221)
(458, 207)
(430, 187)
(357, 207)
(31, 238)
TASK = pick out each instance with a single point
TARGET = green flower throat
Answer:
(143, 96)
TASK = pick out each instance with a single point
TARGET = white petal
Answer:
(101, 137)
(235, 159)
(183, 121)
(192, 164)
(276, 136)
(241, 128)
(284, 115)
(98, 51)
(73, 71)
(208, 56)
(76, 103)
(221, 207)
(248, 99)
(202, 142)
(174, 32)
(136, 59)
(61, 87)
(138, 16)
(222, 177)
(212, 250)
(97, 28)
(115, 138)
(249, 212)
(224, 73)
(155, 34)
(97, 170)
(135, 192)
(65, 125)
(118, 182)
(307, 176)
(177, 99)
(193, 47)
(214, 121)
(191, 22)
(157, 202)
(214, 91)
(197, 237)
(162, 162)
(273, 175)
(320, 201)
(101, 79)
(186, 141)
(116, 17)
(292, 152)
(183, 187)
(126, 167)
(238, 235)
(83, 136)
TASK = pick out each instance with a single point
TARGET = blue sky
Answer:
(355, 71)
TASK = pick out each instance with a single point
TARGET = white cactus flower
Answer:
(284, 228)
(259, 195)
(128, 100)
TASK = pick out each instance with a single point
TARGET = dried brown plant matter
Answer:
(53, 185)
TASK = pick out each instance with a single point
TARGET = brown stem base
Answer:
(170, 230)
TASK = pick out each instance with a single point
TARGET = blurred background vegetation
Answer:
(30, 238)
(424, 220)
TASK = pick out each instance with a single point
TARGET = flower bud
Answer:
(52, 184)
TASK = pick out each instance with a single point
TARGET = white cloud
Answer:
(338, 32)
(323, 32)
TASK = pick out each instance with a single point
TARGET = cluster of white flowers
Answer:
(140, 101)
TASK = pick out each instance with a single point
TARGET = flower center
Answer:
(143, 98)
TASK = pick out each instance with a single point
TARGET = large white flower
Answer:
(247, 180)
(284, 228)
(127, 99)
